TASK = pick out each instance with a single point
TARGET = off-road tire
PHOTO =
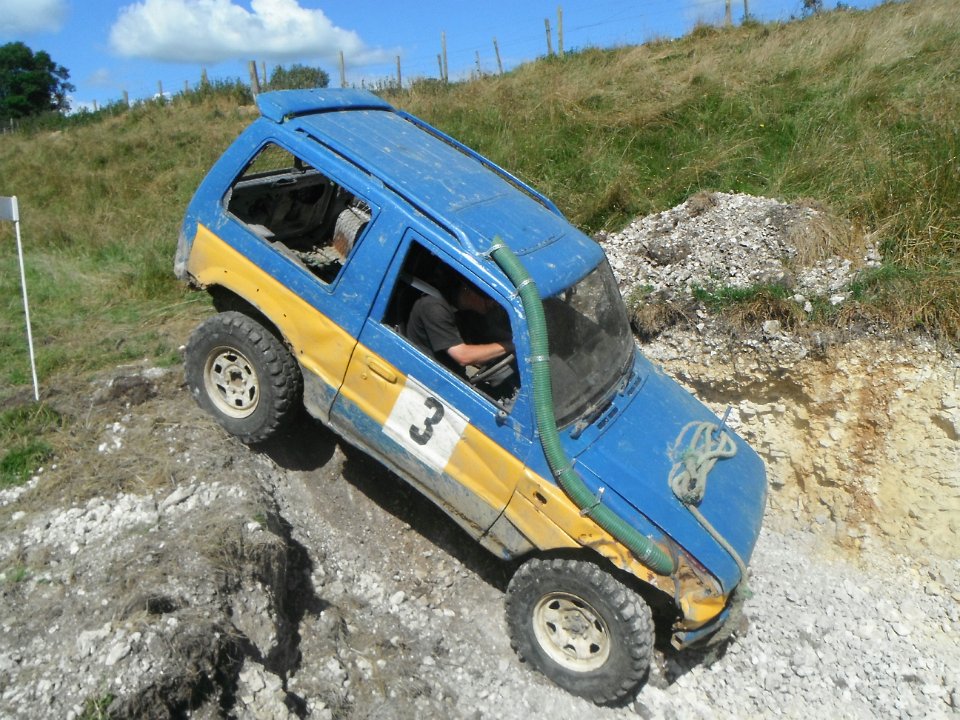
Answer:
(603, 650)
(243, 375)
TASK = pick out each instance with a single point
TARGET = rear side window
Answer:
(306, 215)
(273, 160)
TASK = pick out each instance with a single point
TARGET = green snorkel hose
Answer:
(645, 550)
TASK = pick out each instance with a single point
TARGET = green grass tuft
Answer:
(17, 574)
(723, 297)
(20, 461)
(97, 708)
(21, 431)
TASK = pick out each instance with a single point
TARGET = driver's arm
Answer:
(480, 354)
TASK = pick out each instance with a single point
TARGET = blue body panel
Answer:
(632, 454)
(468, 199)
(279, 107)
(626, 452)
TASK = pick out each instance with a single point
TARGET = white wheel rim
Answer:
(231, 382)
(571, 632)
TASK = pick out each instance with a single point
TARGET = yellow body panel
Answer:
(698, 609)
(319, 344)
(481, 465)
(478, 463)
(554, 511)
(372, 384)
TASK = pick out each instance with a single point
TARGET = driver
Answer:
(457, 331)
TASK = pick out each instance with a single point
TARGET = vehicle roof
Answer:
(473, 199)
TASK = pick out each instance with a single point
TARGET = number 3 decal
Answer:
(422, 437)
(425, 425)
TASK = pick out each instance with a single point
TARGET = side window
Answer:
(434, 307)
(293, 206)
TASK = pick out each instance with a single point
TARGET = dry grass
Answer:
(649, 319)
(824, 235)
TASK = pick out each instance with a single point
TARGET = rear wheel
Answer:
(243, 375)
(581, 627)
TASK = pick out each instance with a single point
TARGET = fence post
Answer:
(254, 81)
(10, 211)
(746, 10)
(399, 77)
(546, 23)
(126, 98)
(728, 14)
(343, 71)
(444, 67)
(496, 51)
(160, 89)
(560, 30)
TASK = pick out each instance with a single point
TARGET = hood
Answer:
(632, 447)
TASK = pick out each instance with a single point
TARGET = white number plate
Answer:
(425, 425)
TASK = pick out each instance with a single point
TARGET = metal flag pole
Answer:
(9, 210)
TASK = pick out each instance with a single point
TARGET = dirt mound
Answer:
(860, 428)
(160, 581)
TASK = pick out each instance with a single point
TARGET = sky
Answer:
(138, 46)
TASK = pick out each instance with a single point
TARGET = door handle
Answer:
(378, 368)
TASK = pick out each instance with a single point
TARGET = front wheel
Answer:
(243, 375)
(581, 627)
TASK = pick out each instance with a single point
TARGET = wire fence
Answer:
(634, 23)
(636, 20)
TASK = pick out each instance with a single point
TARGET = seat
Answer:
(350, 223)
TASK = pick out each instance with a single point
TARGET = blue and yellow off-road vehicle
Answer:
(320, 230)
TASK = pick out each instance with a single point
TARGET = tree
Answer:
(298, 77)
(31, 83)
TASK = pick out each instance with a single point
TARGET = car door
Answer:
(459, 445)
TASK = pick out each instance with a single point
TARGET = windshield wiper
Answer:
(595, 411)
(590, 415)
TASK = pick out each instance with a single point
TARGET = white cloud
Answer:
(101, 77)
(30, 16)
(207, 31)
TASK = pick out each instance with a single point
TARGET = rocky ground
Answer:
(159, 568)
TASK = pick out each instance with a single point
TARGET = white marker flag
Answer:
(10, 212)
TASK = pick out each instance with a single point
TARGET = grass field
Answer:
(856, 111)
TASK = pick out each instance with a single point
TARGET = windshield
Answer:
(590, 343)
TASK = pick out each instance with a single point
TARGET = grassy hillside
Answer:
(100, 207)
(856, 111)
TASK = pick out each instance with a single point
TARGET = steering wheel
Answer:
(491, 371)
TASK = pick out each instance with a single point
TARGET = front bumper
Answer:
(730, 620)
